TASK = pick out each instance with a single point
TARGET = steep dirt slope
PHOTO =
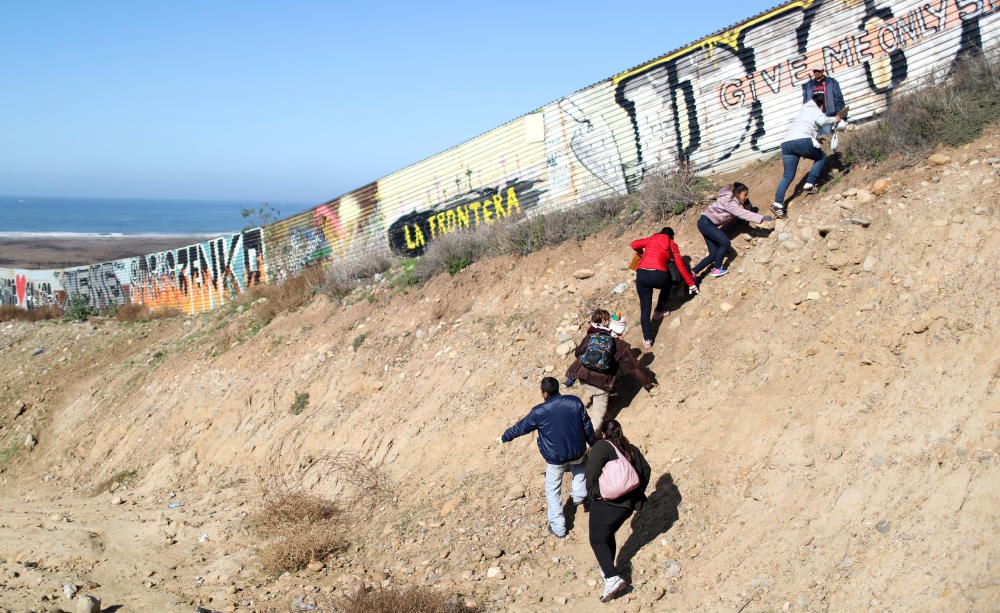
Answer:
(825, 436)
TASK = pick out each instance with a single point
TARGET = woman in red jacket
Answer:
(652, 273)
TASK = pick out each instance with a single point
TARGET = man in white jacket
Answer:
(800, 142)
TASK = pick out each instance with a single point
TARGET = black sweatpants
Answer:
(605, 519)
(646, 281)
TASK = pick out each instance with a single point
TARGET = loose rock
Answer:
(939, 159)
(88, 604)
(496, 573)
(881, 186)
(583, 273)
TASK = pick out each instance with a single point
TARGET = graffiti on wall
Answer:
(198, 277)
(327, 231)
(28, 289)
(716, 105)
(409, 235)
(735, 92)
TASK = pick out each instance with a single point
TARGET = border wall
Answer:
(716, 104)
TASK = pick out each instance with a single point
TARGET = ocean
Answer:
(78, 217)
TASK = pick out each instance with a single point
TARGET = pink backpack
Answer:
(618, 477)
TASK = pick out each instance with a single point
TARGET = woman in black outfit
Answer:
(606, 516)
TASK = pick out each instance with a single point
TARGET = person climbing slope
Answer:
(801, 142)
(655, 251)
(727, 207)
(564, 432)
(617, 477)
(601, 357)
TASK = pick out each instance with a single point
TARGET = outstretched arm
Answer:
(526, 425)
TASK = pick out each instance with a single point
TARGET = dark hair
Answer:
(613, 433)
(667, 230)
(739, 188)
(819, 98)
(550, 385)
(600, 316)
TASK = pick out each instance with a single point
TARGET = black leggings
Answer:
(605, 519)
(646, 281)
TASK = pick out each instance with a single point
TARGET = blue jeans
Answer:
(553, 491)
(718, 244)
(791, 152)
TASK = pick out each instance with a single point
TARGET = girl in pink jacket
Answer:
(727, 207)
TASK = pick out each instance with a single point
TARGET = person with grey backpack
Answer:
(617, 477)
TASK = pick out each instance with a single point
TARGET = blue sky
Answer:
(293, 101)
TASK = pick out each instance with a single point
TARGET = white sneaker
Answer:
(613, 588)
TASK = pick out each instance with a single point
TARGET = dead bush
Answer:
(669, 193)
(311, 505)
(344, 277)
(288, 295)
(9, 312)
(951, 111)
(141, 312)
(397, 600)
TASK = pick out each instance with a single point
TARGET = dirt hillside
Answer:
(825, 435)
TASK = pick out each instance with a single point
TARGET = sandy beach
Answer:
(60, 252)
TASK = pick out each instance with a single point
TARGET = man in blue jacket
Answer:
(829, 87)
(564, 431)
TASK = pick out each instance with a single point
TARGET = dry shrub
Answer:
(287, 295)
(951, 112)
(141, 312)
(8, 313)
(398, 600)
(664, 194)
(311, 505)
(343, 277)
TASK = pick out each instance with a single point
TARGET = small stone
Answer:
(939, 159)
(784, 236)
(564, 349)
(919, 326)
(851, 191)
(864, 196)
(117, 500)
(939, 223)
(495, 572)
(30, 441)
(812, 296)
(881, 186)
(515, 493)
(619, 289)
(869, 264)
(725, 307)
(70, 590)
(883, 526)
(846, 205)
(791, 245)
(907, 536)
(88, 604)
(859, 221)
(836, 453)
(673, 569)
(315, 566)
(560, 600)
(492, 552)
(980, 210)
(583, 273)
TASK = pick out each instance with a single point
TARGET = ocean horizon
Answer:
(90, 217)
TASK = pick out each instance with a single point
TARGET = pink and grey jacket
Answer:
(727, 207)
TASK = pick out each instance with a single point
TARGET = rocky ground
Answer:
(824, 438)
